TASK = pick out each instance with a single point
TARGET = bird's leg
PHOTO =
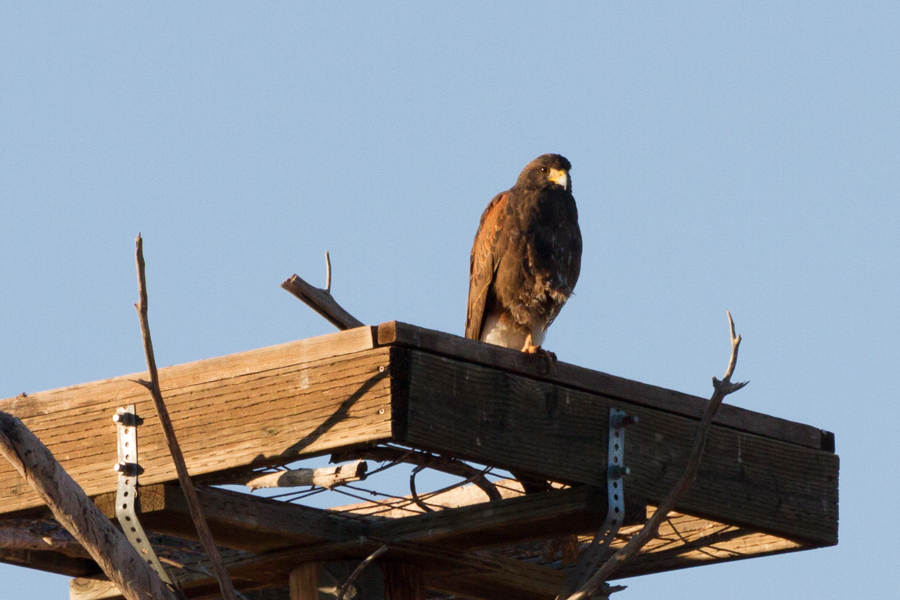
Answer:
(530, 348)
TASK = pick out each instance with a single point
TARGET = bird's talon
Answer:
(548, 357)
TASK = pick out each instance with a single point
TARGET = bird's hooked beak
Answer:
(559, 177)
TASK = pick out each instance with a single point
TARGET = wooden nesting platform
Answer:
(766, 485)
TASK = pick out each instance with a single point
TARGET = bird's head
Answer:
(546, 171)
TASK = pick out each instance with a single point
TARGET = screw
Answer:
(618, 471)
(129, 469)
(624, 420)
(129, 419)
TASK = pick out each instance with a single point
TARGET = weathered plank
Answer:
(395, 333)
(255, 524)
(687, 541)
(194, 579)
(498, 578)
(256, 408)
(237, 520)
(552, 431)
(684, 540)
(507, 521)
(449, 571)
(53, 562)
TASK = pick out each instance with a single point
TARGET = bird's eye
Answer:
(544, 169)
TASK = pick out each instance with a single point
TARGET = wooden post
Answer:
(305, 582)
(403, 581)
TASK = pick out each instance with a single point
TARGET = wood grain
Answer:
(237, 520)
(257, 408)
(507, 521)
(322, 302)
(399, 334)
(556, 432)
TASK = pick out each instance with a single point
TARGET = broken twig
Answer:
(321, 300)
(651, 529)
(209, 544)
(326, 477)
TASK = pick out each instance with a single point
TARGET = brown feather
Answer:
(526, 257)
(483, 262)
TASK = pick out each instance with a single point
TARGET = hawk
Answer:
(526, 258)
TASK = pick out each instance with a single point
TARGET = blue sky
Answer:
(725, 155)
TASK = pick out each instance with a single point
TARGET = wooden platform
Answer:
(766, 485)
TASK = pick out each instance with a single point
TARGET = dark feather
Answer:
(527, 252)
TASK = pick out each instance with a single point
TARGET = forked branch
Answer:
(321, 300)
(650, 530)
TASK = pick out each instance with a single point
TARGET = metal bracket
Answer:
(128, 468)
(615, 493)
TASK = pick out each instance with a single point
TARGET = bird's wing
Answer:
(483, 262)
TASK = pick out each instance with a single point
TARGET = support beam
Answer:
(239, 521)
(257, 408)
(482, 414)
(304, 582)
(509, 521)
(397, 334)
(52, 562)
(255, 524)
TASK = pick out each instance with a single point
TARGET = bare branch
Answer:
(651, 529)
(326, 477)
(225, 584)
(321, 301)
(71, 507)
(358, 571)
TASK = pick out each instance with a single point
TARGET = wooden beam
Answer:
(52, 562)
(261, 407)
(684, 541)
(500, 578)
(399, 334)
(508, 521)
(304, 582)
(687, 541)
(237, 520)
(482, 414)
(447, 571)
(403, 581)
(255, 524)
